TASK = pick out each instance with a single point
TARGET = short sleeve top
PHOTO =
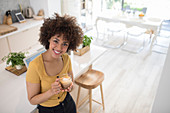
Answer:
(36, 74)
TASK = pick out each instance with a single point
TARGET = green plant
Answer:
(15, 58)
(87, 40)
(109, 4)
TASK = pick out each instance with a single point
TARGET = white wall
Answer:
(49, 6)
(158, 8)
(39, 4)
(71, 7)
(162, 99)
(54, 6)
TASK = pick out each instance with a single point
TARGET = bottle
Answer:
(9, 20)
(5, 19)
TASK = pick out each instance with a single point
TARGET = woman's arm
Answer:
(34, 95)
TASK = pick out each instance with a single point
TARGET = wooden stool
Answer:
(90, 80)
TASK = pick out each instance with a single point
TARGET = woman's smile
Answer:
(57, 52)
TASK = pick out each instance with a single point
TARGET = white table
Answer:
(148, 23)
(13, 93)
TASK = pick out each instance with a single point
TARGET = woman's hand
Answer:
(56, 87)
(68, 89)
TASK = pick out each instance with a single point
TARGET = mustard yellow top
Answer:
(36, 74)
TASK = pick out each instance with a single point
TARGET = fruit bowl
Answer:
(141, 15)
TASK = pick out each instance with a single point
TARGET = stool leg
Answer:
(90, 100)
(78, 96)
(101, 89)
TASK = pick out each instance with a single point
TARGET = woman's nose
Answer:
(59, 46)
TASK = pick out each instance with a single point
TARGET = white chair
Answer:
(136, 33)
(112, 29)
(101, 30)
(159, 45)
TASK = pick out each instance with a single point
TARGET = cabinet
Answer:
(81, 9)
(24, 39)
(4, 49)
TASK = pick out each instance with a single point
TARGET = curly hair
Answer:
(65, 25)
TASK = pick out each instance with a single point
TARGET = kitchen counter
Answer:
(23, 26)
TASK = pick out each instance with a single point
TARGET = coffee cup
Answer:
(65, 82)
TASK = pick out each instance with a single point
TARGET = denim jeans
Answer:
(67, 106)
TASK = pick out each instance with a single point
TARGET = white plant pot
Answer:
(18, 67)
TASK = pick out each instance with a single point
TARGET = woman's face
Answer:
(58, 46)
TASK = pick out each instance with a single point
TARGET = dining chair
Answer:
(163, 34)
(127, 9)
(137, 33)
(161, 48)
(112, 29)
(144, 10)
(101, 30)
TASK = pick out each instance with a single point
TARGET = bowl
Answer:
(65, 82)
(141, 15)
(38, 17)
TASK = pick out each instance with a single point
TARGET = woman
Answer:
(58, 35)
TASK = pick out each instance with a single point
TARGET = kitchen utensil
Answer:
(4, 29)
(29, 12)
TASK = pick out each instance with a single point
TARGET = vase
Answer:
(18, 67)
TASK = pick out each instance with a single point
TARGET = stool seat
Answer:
(90, 79)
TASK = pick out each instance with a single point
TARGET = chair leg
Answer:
(137, 51)
(101, 89)
(78, 96)
(90, 100)
(118, 46)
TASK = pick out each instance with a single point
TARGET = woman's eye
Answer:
(65, 44)
(55, 41)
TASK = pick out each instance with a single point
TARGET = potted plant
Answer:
(85, 46)
(16, 59)
(87, 40)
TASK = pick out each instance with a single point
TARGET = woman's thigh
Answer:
(67, 106)
(70, 106)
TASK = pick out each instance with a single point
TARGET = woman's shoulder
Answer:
(65, 55)
(37, 61)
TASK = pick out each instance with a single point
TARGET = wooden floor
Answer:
(131, 81)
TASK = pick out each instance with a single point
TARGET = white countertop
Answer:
(81, 63)
(23, 26)
(13, 94)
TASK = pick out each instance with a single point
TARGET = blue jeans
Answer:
(67, 106)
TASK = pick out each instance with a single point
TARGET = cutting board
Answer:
(4, 29)
(15, 71)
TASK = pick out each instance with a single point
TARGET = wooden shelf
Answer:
(86, 13)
